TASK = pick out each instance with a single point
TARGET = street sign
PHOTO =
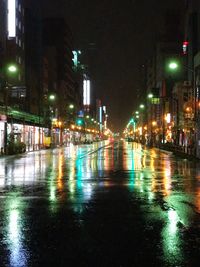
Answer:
(81, 113)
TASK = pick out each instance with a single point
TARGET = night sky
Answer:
(116, 39)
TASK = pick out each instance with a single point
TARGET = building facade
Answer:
(192, 55)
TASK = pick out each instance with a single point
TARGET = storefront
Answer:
(32, 136)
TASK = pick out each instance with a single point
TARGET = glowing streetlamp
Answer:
(150, 95)
(71, 106)
(52, 97)
(142, 106)
(173, 65)
(12, 68)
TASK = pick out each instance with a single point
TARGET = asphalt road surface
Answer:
(105, 204)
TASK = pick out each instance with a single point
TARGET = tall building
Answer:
(20, 44)
(191, 42)
(58, 47)
(3, 28)
(33, 57)
(192, 54)
(15, 51)
(159, 80)
(3, 37)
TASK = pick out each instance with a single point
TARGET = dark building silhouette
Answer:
(3, 28)
(3, 36)
(58, 47)
(33, 57)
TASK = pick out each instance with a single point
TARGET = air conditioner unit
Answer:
(187, 83)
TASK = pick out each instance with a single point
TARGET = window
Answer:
(185, 97)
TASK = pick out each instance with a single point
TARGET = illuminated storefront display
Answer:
(32, 136)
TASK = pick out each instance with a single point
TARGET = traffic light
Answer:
(79, 121)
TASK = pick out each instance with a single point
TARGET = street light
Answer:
(142, 106)
(52, 97)
(173, 65)
(71, 106)
(150, 95)
(10, 69)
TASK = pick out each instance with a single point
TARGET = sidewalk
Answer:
(186, 152)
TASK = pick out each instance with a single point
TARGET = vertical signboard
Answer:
(11, 18)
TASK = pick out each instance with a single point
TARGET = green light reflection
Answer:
(15, 235)
(171, 239)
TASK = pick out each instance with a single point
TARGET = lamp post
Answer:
(52, 99)
(71, 106)
(150, 141)
(10, 70)
(142, 108)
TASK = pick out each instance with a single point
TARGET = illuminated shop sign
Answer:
(185, 47)
(11, 18)
(86, 92)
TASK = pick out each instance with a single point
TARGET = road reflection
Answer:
(74, 177)
(14, 237)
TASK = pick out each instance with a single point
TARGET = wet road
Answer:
(107, 204)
